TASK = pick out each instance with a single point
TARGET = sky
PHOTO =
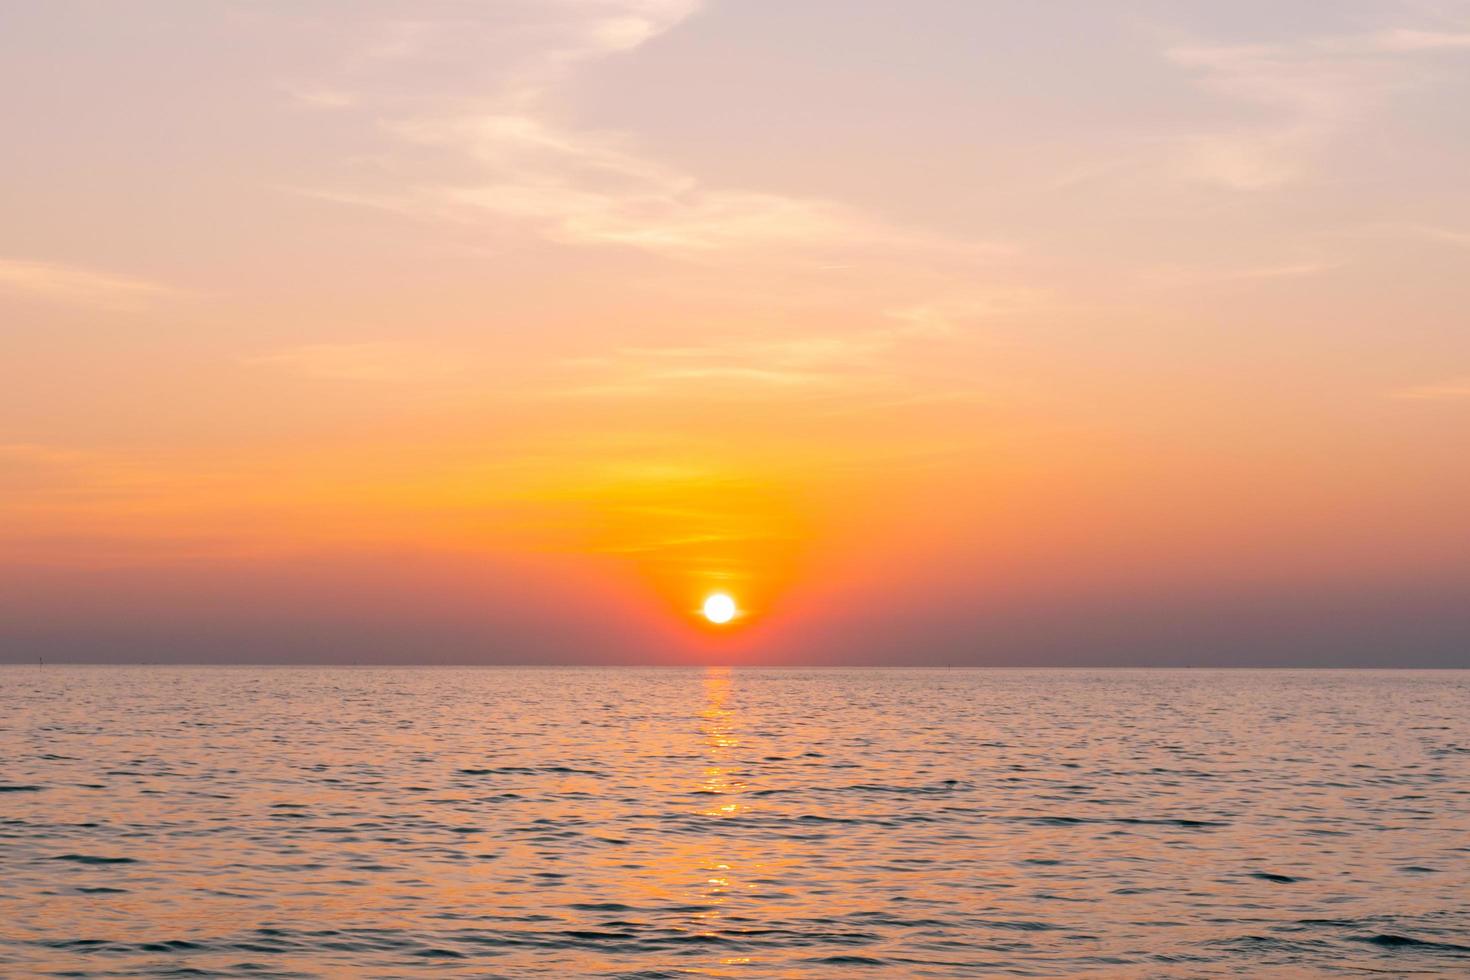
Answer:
(944, 332)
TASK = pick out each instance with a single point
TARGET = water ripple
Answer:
(312, 822)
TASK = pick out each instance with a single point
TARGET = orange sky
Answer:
(964, 333)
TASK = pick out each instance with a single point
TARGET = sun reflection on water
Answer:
(722, 782)
(717, 727)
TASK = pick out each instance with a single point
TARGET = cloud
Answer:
(81, 287)
(519, 166)
(586, 189)
(1409, 40)
(1308, 92)
(37, 477)
(583, 30)
(1445, 391)
(1307, 96)
(39, 452)
(1449, 236)
(863, 361)
(1176, 276)
(321, 98)
(376, 361)
(943, 317)
(723, 365)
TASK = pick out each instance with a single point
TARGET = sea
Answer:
(726, 822)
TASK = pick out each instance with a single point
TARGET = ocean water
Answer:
(313, 822)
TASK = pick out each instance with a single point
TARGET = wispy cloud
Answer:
(315, 97)
(945, 315)
(1411, 40)
(582, 30)
(585, 189)
(1308, 95)
(1449, 236)
(375, 361)
(860, 361)
(53, 477)
(1304, 94)
(1457, 389)
(520, 166)
(739, 365)
(82, 287)
(1179, 276)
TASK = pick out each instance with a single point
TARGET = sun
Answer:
(719, 608)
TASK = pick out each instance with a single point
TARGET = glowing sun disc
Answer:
(719, 608)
